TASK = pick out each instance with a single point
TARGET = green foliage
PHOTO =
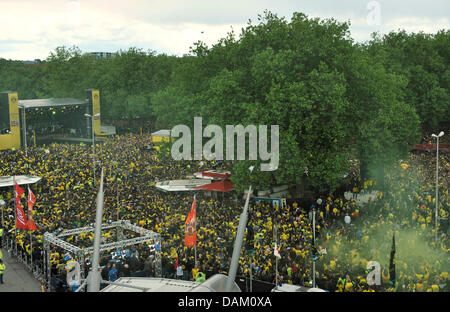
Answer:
(26, 80)
(423, 59)
(332, 98)
(164, 152)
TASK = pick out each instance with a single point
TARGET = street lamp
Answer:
(93, 139)
(314, 243)
(437, 181)
(2, 204)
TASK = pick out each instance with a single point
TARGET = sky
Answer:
(32, 29)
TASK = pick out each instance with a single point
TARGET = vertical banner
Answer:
(190, 237)
(15, 120)
(9, 120)
(93, 96)
(31, 201)
(21, 219)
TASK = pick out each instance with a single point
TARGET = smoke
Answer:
(413, 255)
(404, 209)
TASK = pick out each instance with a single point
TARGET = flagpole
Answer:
(94, 276)
(31, 251)
(195, 230)
(15, 208)
(117, 198)
(2, 204)
(276, 258)
(251, 273)
(314, 244)
(251, 268)
(238, 243)
(31, 237)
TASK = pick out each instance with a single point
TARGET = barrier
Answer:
(37, 268)
(257, 286)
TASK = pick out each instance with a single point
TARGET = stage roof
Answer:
(9, 180)
(163, 132)
(180, 185)
(53, 102)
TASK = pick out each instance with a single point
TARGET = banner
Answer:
(21, 219)
(31, 201)
(392, 262)
(190, 233)
(276, 252)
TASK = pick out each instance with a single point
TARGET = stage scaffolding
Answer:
(56, 239)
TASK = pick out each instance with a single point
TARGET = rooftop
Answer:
(52, 102)
(161, 133)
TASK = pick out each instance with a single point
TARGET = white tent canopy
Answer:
(7, 181)
(180, 185)
(163, 132)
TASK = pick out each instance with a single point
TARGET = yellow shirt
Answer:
(348, 286)
(385, 277)
(194, 272)
(419, 287)
(332, 264)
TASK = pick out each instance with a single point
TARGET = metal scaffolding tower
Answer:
(53, 239)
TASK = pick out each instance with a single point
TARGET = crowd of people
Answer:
(406, 208)
(66, 200)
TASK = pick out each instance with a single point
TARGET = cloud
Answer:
(172, 26)
(417, 24)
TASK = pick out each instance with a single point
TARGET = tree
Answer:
(385, 126)
(423, 59)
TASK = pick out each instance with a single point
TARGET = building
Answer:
(36, 62)
(102, 55)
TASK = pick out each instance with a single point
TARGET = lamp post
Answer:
(437, 182)
(314, 244)
(2, 204)
(93, 140)
(25, 131)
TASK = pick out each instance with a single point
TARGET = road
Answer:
(17, 278)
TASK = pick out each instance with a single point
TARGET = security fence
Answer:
(35, 266)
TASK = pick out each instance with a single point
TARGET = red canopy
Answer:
(221, 186)
(216, 175)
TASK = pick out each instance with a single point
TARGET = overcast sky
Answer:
(31, 29)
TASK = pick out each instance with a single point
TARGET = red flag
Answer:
(21, 218)
(190, 233)
(176, 264)
(31, 201)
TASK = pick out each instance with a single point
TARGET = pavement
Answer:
(16, 277)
